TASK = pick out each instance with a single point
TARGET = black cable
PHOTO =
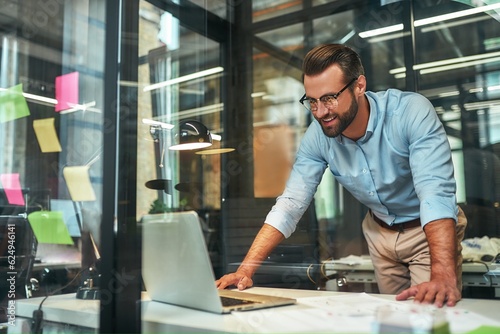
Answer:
(36, 322)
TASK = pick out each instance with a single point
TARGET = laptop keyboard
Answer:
(234, 301)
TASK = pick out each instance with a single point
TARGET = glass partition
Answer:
(193, 61)
(179, 80)
(423, 47)
(51, 132)
(459, 72)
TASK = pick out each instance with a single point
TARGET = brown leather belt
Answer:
(397, 227)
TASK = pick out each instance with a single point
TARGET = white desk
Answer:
(359, 269)
(67, 311)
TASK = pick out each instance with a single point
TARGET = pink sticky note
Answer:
(67, 91)
(12, 188)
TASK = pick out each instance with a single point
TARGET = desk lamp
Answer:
(191, 135)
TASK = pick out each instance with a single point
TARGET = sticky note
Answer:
(49, 227)
(485, 329)
(78, 182)
(12, 188)
(66, 91)
(46, 135)
(13, 105)
(71, 214)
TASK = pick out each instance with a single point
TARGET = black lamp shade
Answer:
(192, 135)
(159, 184)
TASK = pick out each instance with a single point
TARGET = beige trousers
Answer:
(402, 259)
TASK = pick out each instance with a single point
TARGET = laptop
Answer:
(176, 267)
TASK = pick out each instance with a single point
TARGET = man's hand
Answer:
(265, 241)
(433, 292)
(442, 288)
(238, 279)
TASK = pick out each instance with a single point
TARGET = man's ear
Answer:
(360, 85)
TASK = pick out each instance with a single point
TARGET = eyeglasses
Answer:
(330, 101)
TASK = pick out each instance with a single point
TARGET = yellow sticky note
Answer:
(46, 135)
(13, 105)
(49, 227)
(78, 182)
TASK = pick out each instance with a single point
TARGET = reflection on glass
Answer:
(179, 83)
(56, 64)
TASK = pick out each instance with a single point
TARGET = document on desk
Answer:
(352, 260)
(352, 313)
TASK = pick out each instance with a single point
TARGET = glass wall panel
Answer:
(180, 80)
(458, 68)
(217, 7)
(51, 125)
(267, 9)
(448, 53)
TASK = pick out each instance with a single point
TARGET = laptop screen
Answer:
(175, 261)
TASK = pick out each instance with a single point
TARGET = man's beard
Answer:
(343, 121)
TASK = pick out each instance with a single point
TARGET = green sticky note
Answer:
(49, 227)
(485, 330)
(13, 104)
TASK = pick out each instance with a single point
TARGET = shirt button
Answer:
(364, 171)
(371, 193)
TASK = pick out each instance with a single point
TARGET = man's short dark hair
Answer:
(325, 55)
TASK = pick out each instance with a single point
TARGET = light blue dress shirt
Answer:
(401, 168)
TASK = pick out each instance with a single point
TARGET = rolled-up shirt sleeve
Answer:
(431, 163)
(301, 186)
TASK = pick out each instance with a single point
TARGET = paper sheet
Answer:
(351, 260)
(46, 135)
(49, 227)
(78, 182)
(66, 91)
(13, 105)
(12, 187)
(352, 313)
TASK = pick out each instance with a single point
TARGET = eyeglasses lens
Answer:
(328, 102)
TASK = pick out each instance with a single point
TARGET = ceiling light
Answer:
(449, 64)
(258, 94)
(491, 56)
(381, 31)
(429, 20)
(447, 94)
(387, 37)
(184, 78)
(34, 97)
(157, 123)
(84, 107)
(482, 105)
(458, 65)
(40, 98)
(454, 15)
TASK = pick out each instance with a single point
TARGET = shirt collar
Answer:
(372, 121)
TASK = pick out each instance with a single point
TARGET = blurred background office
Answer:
(93, 76)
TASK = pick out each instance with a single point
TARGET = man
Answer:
(389, 150)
